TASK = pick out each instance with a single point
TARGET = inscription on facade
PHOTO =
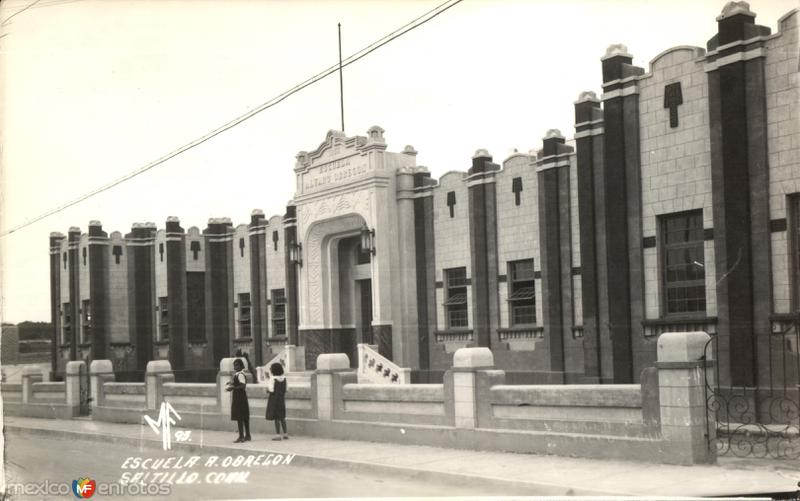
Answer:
(333, 172)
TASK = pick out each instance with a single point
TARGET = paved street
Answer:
(67, 449)
(63, 460)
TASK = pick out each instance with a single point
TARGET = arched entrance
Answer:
(336, 290)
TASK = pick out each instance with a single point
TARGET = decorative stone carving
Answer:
(588, 95)
(617, 49)
(312, 285)
(553, 133)
(734, 8)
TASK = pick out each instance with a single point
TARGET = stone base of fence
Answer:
(661, 420)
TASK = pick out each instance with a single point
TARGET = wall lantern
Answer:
(367, 240)
(296, 253)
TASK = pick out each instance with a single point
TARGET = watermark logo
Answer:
(84, 488)
(167, 417)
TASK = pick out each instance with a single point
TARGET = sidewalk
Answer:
(546, 475)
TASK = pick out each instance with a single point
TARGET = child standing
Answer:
(276, 403)
(240, 407)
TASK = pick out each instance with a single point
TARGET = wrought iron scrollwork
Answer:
(760, 421)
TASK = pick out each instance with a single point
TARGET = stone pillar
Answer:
(589, 158)
(30, 375)
(98, 290)
(219, 287)
(74, 238)
(292, 308)
(323, 384)
(405, 342)
(158, 372)
(461, 384)
(55, 297)
(425, 263)
(682, 398)
(483, 244)
(176, 293)
(740, 191)
(622, 268)
(76, 387)
(100, 372)
(258, 283)
(555, 236)
(141, 273)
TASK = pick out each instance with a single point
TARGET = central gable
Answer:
(339, 159)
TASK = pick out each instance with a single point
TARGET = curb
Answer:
(525, 487)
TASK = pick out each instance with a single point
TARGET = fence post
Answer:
(100, 372)
(30, 375)
(461, 385)
(156, 374)
(681, 370)
(322, 382)
(76, 391)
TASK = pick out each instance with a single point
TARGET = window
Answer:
(683, 263)
(278, 313)
(522, 293)
(117, 252)
(86, 321)
(163, 319)
(244, 315)
(794, 246)
(451, 202)
(516, 188)
(455, 304)
(66, 324)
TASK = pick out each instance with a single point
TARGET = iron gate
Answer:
(760, 421)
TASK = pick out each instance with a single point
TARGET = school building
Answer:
(675, 206)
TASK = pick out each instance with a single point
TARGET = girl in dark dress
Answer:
(276, 403)
(240, 408)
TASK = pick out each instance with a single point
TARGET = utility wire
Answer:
(9, 18)
(419, 21)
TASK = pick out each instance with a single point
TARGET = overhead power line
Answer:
(9, 18)
(411, 25)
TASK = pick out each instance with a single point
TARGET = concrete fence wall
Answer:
(661, 420)
(36, 396)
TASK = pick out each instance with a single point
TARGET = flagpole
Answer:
(341, 81)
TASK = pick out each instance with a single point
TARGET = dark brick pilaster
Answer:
(622, 212)
(219, 289)
(555, 245)
(292, 307)
(98, 290)
(177, 307)
(425, 265)
(739, 175)
(483, 245)
(258, 283)
(588, 139)
(74, 237)
(141, 273)
(55, 297)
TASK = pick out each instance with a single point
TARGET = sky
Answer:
(91, 90)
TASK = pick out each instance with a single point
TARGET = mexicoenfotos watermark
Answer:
(84, 488)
